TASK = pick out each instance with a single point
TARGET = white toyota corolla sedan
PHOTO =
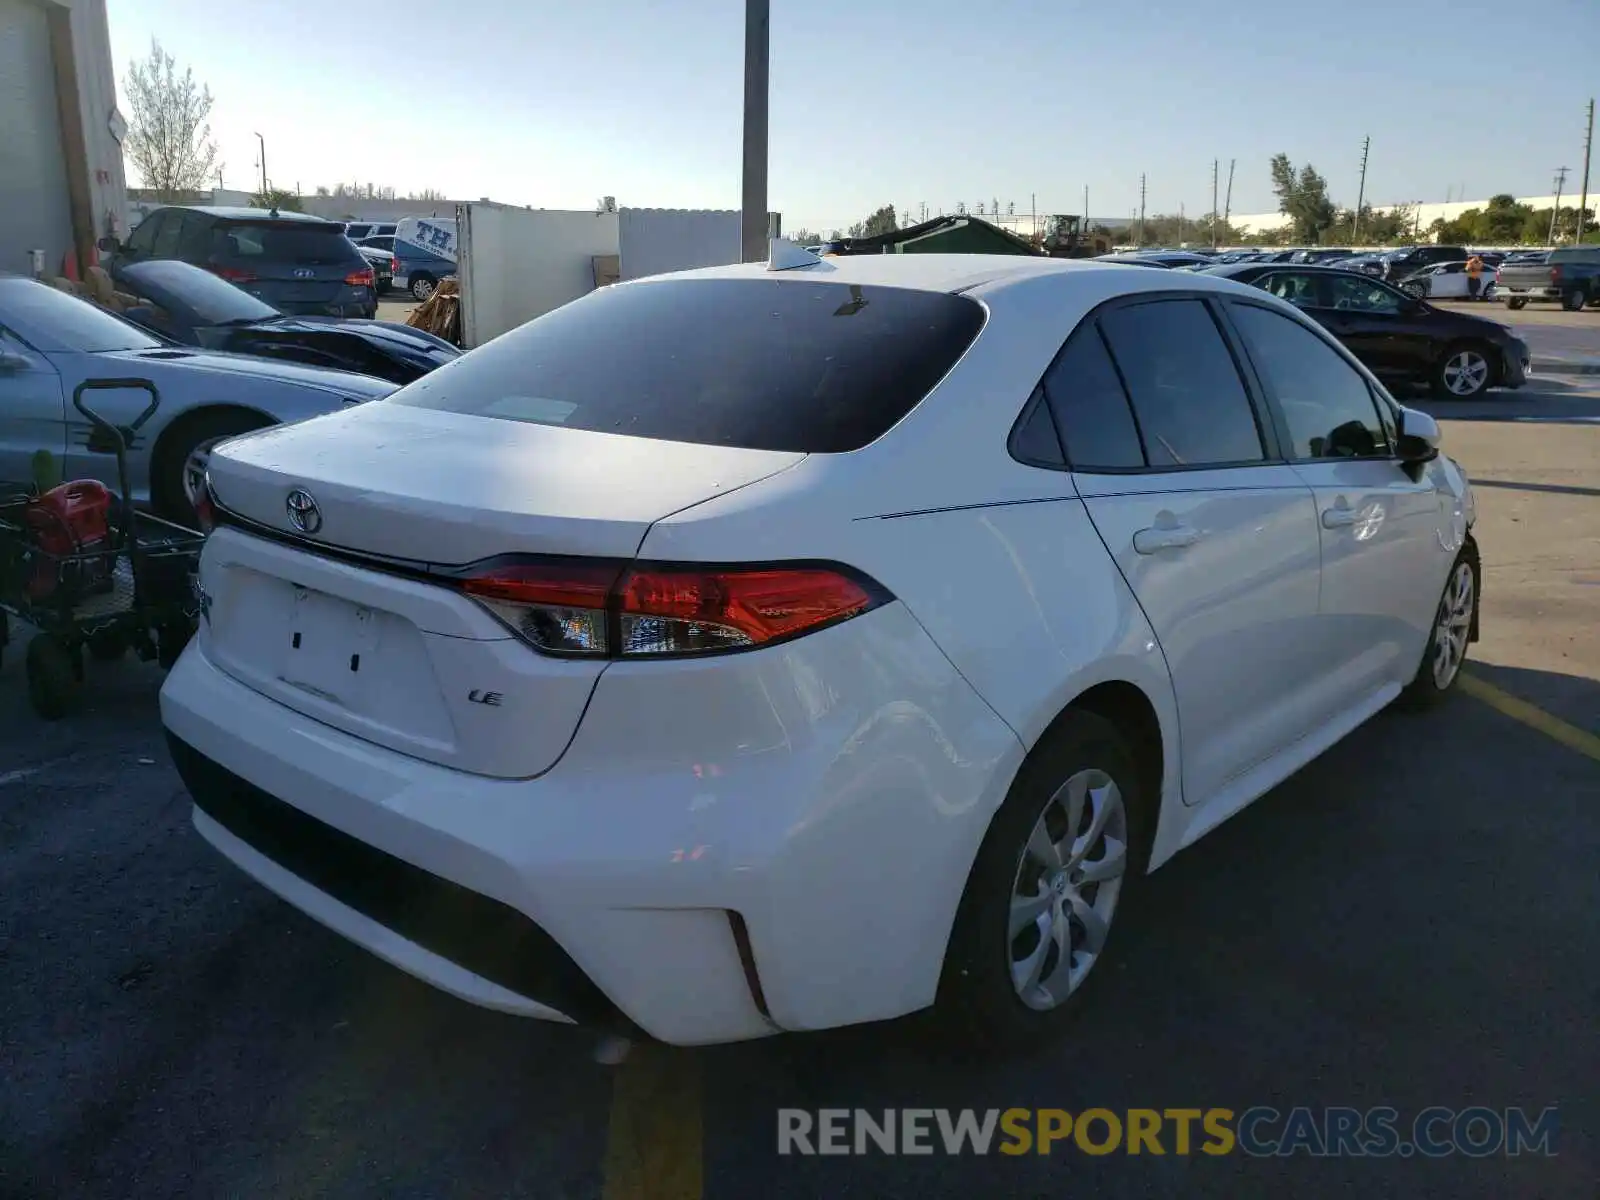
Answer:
(759, 649)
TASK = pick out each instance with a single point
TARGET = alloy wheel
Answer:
(195, 468)
(1453, 625)
(1466, 373)
(1066, 887)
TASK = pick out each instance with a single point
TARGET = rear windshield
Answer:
(762, 364)
(287, 241)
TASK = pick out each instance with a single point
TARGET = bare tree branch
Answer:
(168, 138)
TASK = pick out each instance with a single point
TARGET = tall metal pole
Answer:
(1086, 208)
(1139, 237)
(1588, 140)
(263, 142)
(1215, 164)
(1227, 204)
(1361, 191)
(753, 205)
(1561, 179)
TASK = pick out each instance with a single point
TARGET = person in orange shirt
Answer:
(1474, 276)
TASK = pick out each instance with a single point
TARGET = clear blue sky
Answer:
(555, 104)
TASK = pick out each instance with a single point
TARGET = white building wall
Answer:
(1426, 216)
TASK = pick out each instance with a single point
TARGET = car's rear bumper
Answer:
(1527, 293)
(771, 841)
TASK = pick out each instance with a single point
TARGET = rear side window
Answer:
(1091, 407)
(1191, 405)
(764, 364)
(1576, 254)
(295, 242)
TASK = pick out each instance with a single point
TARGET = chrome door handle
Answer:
(1173, 537)
(1338, 517)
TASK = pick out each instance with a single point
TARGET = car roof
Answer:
(229, 212)
(969, 274)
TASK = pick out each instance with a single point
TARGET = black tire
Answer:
(178, 444)
(1442, 388)
(55, 677)
(1574, 301)
(421, 286)
(979, 1004)
(108, 645)
(1516, 302)
(1426, 690)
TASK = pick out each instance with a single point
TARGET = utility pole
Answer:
(1033, 203)
(753, 206)
(1180, 222)
(1227, 204)
(1215, 164)
(1139, 237)
(1561, 179)
(263, 142)
(1588, 141)
(1361, 191)
(1086, 208)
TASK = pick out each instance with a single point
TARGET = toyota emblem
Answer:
(304, 514)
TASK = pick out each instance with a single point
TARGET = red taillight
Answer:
(234, 275)
(606, 609)
(1555, 273)
(361, 278)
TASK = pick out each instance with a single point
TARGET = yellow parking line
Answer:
(1532, 716)
(653, 1149)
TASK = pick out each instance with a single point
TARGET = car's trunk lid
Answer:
(350, 621)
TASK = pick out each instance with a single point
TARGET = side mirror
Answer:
(11, 363)
(1419, 437)
(109, 245)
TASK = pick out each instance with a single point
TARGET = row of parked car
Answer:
(1569, 275)
(276, 328)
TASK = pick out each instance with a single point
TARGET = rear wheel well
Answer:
(1130, 712)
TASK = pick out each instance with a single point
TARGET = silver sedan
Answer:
(50, 342)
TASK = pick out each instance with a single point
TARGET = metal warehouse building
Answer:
(61, 180)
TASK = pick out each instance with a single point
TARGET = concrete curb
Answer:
(1567, 366)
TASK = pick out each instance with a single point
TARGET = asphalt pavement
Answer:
(1408, 921)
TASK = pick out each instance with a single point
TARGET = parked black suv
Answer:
(294, 262)
(1397, 264)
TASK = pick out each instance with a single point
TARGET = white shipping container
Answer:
(515, 264)
(654, 241)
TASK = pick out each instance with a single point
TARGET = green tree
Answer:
(1302, 197)
(278, 198)
(168, 139)
(880, 222)
(804, 237)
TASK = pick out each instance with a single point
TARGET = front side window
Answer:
(167, 239)
(1325, 401)
(1188, 399)
(143, 239)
